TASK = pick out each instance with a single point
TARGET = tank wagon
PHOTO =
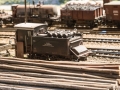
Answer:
(38, 42)
(36, 13)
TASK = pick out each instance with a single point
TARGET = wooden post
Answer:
(19, 50)
(25, 12)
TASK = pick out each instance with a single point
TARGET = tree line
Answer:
(9, 2)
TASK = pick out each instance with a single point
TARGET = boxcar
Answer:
(112, 10)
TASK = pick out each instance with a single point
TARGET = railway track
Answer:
(104, 52)
(91, 38)
(107, 40)
(7, 29)
(27, 74)
(103, 44)
(7, 36)
(103, 47)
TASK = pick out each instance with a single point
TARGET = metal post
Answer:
(25, 12)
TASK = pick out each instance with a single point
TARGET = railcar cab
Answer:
(14, 10)
(24, 34)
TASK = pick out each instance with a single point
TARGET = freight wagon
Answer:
(74, 13)
(112, 10)
(36, 13)
(81, 13)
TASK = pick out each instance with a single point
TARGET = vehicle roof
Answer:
(29, 25)
(113, 3)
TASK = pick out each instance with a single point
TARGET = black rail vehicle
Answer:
(38, 42)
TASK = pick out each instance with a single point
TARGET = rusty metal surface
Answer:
(101, 11)
(91, 14)
(19, 50)
(80, 15)
(112, 11)
(106, 1)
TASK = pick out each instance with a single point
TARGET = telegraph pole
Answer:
(25, 12)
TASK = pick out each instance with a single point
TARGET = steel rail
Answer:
(109, 40)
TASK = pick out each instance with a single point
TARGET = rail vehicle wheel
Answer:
(48, 58)
(103, 23)
(42, 56)
(32, 56)
(77, 60)
(70, 24)
(49, 23)
(95, 25)
(51, 57)
(80, 59)
(29, 56)
(92, 25)
(74, 59)
(36, 56)
(83, 58)
(118, 25)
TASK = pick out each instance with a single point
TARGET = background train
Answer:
(73, 13)
(91, 13)
(36, 13)
(36, 41)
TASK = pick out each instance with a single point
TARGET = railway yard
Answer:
(72, 47)
(99, 72)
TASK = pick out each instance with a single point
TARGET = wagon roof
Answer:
(113, 3)
(29, 25)
(45, 6)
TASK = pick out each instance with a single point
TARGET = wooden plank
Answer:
(20, 87)
(37, 75)
(47, 71)
(52, 84)
(65, 67)
(19, 50)
(61, 62)
(70, 63)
